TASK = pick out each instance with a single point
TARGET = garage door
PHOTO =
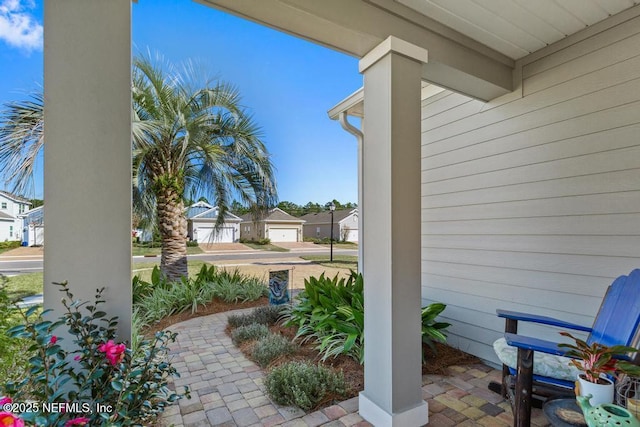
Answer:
(352, 235)
(283, 234)
(209, 235)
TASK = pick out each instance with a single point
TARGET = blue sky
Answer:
(287, 84)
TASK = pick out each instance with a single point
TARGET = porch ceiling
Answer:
(472, 44)
(517, 28)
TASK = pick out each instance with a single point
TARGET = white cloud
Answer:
(19, 28)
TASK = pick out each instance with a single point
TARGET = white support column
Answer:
(391, 200)
(87, 162)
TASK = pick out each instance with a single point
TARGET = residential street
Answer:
(21, 264)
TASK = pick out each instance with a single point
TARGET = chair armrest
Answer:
(535, 344)
(526, 317)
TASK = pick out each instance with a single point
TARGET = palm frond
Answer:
(21, 140)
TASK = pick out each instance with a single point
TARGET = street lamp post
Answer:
(332, 208)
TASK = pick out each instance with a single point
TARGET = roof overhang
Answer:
(355, 27)
(473, 46)
(353, 104)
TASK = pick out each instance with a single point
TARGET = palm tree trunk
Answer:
(172, 226)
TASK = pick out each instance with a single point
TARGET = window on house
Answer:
(317, 231)
(11, 231)
(20, 208)
(4, 205)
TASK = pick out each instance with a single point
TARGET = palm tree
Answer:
(190, 138)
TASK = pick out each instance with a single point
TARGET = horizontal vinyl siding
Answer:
(534, 205)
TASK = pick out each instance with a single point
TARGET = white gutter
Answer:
(353, 105)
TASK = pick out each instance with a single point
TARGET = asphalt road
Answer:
(24, 265)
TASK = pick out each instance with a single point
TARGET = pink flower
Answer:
(113, 352)
(80, 421)
(78, 357)
(7, 419)
(5, 400)
(53, 339)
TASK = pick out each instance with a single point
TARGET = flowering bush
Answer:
(99, 382)
(7, 419)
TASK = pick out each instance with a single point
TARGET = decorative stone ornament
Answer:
(606, 414)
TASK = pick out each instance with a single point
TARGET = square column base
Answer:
(370, 411)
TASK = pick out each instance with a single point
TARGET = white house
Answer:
(499, 162)
(11, 207)
(33, 227)
(345, 225)
(202, 218)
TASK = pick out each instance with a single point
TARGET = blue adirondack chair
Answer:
(616, 323)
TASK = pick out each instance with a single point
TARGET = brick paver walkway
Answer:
(227, 389)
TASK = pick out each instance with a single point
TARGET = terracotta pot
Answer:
(601, 393)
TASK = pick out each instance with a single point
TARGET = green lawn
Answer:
(143, 270)
(31, 284)
(24, 285)
(268, 247)
(339, 261)
(137, 250)
(342, 245)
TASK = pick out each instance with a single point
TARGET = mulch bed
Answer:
(435, 362)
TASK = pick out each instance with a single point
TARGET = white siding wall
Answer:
(5, 231)
(534, 204)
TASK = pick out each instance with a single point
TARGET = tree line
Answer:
(295, 209)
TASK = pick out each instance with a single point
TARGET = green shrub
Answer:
(250, 332)
(265, 241)
(157, 305)
(331, 311)
(188, 295)
(433, 331)
(265, 315)
(192, 243)
(235, 287)
(142, 288)
(159, 298)
(14, 352)
(133, 384)
(207, 274)
(270, 347)
(10, 244)
(304, 385)
(238, 320)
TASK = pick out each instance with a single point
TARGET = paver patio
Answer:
(227, 389)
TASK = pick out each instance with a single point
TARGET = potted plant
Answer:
(597, 361)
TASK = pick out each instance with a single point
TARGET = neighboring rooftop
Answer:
(203, 210)
(325, 216)
(15, 198)
(274, 215)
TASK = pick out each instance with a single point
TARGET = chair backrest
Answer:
(619, 315)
